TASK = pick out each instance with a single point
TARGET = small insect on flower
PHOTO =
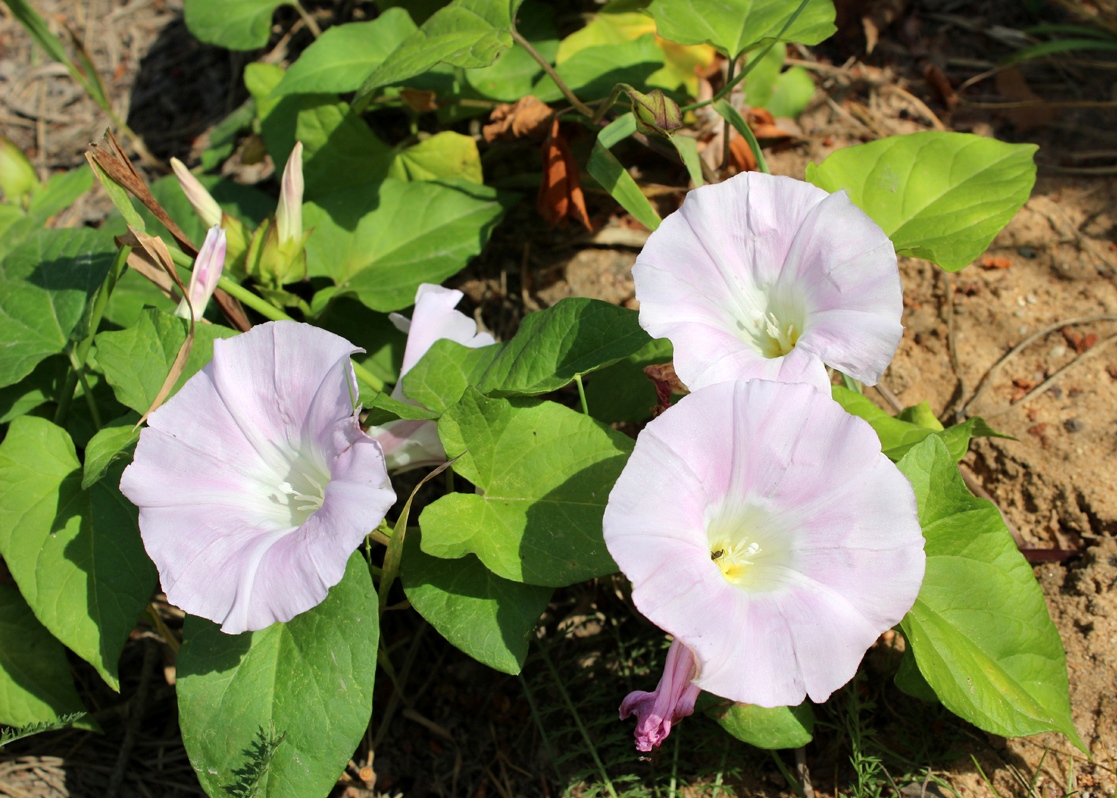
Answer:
(761, 525)
(255, 482)
(771, 277)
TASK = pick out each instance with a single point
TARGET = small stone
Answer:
(1023, 330)
(1057, 352)
(1018, 314)
(1027, 252)
(1074, 425)
(1021, 301)
(1031, 299)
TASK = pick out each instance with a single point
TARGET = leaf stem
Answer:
(66, 397)
(581, 107)
(257, 303)
(79, 369)
(726, 128)
(582, 394)
(731, 84)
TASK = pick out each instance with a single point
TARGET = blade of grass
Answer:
(687, 148)
(578, 722)
(604, 167)
(731, 115)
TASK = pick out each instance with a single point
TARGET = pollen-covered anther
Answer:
(783, 340)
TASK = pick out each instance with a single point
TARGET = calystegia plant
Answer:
(220, 401)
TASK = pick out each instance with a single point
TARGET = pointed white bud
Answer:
(204, 205)
(289, 214)
(207, 271)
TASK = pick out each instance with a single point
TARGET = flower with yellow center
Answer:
(761, 525)
(771, 277)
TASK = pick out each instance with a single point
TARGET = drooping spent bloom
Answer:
(200, 200)
(771, 277)
(255, 482)
(672, 700)
(761, 525)
(207, 271)
(407, 443)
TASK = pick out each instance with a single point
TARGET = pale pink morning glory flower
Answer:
(771, 277)
(672, 700)
(761, 526)
(411, 444)
(255, 482)
(207, 271)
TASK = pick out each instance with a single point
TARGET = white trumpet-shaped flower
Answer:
(771, 277)
(255, 482)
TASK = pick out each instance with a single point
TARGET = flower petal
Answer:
(435, 318)
(409, 444)
(759, 254)
(255, 482)
(838, 547)
(672, 700)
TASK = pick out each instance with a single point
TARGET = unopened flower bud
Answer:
(289, 214)
(207, 271)
(204, 205)
(655, 112)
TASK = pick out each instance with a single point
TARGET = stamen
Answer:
(783, 341)
(299, 501)
(734, 558)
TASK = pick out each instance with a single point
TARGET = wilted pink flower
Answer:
(255, 482)
(203, 203)
(207, 271)
(771, 277)
(411, 444)
(672, 700)
(761, 526)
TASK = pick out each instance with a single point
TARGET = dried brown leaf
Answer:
(421, 102)
(528, 116)
(157, 251)
(560, 194)
(1013, 86)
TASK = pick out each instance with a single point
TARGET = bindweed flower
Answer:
(200, 200)
(408, 443)
(255, 482)
(673, 699)
(770, 277)
(761, 526)
(206, 273)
